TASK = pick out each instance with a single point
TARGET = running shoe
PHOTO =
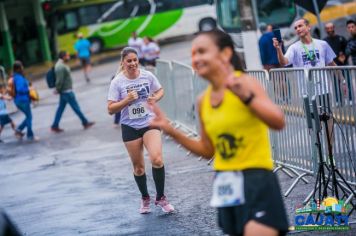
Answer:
(164, 204)
(19, 134)
(88, 125)
(145, 205)
(57, 130)
(33, 139)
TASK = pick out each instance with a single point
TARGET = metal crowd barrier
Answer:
(294, 150)
(199, 86)
(281, 142)
(168, 103)
(335, 88)
(182, 76)
(262, 76)
(292, 147)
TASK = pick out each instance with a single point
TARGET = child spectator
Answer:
(4, 116)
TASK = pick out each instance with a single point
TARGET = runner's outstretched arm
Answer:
(201, 147)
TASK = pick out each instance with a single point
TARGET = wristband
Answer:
(248, 100)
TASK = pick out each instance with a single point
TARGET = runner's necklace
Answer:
(312, 58)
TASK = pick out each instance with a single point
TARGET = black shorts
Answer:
(141, 61)
(150, 62)
(4, 120)
(85, 61)
(264, 204)
(130, 134)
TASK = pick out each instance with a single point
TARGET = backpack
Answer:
(51, 78)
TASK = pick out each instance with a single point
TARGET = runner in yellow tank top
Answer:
(235, 140)
(235, 113)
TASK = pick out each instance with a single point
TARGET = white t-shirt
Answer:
(145, 84)
(136, 44)
(298, 56)
(150, 51)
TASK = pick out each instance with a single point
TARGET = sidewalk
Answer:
(39, 71)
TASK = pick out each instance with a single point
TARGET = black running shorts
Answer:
(264, 204)
(4, 120)
(85, 61)
(130, 134)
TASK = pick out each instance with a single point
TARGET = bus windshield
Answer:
(279, 13)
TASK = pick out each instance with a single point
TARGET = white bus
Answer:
(109, 23)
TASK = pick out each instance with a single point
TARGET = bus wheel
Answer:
(96, 45)
(207, 24)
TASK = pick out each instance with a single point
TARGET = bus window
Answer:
(229, 15)
(88, 15)
(144, 7)
(118, 11)
(67, 21)
(123, 10)
(192, 3)
(60, 24)
(278, 13)
(105, 7)
(165, 5)
(71, 21)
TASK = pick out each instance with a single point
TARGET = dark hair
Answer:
(223, 40)
(126, 51)
(18, 67)
(150, 39)
(350, 22)
(62, 54)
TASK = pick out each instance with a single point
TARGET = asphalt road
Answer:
(80, 182)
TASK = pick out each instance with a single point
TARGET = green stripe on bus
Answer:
(161, 22)
(121, 37)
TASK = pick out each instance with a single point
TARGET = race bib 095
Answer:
(228, 189)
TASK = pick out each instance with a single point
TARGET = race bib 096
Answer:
(137, 111)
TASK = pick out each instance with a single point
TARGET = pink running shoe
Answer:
(145, 205)
(164, 204)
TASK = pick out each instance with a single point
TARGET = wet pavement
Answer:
(81, 182)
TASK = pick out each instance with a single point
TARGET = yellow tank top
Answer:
(240, 138)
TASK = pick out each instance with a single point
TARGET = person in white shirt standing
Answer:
(150, 50)
(137, 43)
(307, 52)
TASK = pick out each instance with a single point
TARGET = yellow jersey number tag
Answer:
(228, 189)
(137, 110)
